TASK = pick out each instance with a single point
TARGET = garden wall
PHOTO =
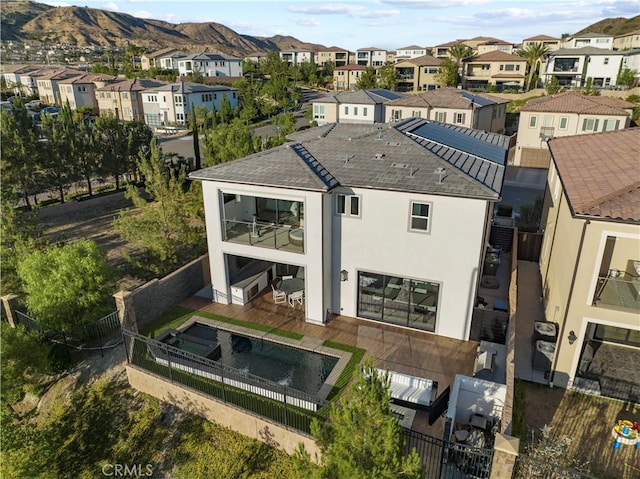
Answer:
(252, 426)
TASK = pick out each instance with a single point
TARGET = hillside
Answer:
(83, 26)
(613, 26)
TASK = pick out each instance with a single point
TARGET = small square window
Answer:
(420, 216)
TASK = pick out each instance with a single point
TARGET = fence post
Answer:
(166, 349)
(126, 311)
(9, 303)
(286, 416)
(505, 452)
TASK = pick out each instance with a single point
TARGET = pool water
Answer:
(288, 366)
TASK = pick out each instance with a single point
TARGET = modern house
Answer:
(315, 208)
(417, 74)
(631, 60)
(627, 41)
(346, 77)
(171, 104)
(372, 56)
(359, 106)
(442, 50)
(80, 91)
(123, 98)
(210, 65)
(412, 51)
(590, 262)
(338, 56)
(297, 56)
(453, 106)
(574, 66)
(565, 114)
(158, 59)
(596, 40)
(502, 70)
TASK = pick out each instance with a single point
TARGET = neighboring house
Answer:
(453, 106)
(596, 40)
(551, 43)
(14, 78)
(442, 51)
(359, 106)
(49, 85)
(494, 45)
(628, 41)
(391, 57)
(316, 208)
(590, 262)
(412, 51)
(154, 59)
(502, 70)
(123, 98)
(475, 42)
(338, 56)
(210, 65)
(631, 60)
(417, 74)
(79, 91)
(296, 57)
(565, 114)
(372, 56)
(346, 77)
(573, 66)
(171, 103)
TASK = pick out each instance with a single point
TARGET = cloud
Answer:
(416, 4)
(111, 6)
(58, 4)
(144, 14)
(354, 11)
(308, 22)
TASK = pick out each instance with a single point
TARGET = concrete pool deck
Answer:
(404, 350)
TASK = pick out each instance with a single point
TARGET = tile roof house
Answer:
(590, 261)
(169, 104)
(317, 206)
(411, 51)
(565, 114)
(79, 91)
(338, 56)
(297, 56)
(574, 66)
(552, 43)
(48, 84)
(502, 70)
(346, 77)
(155, 59)
(210, 64)
(123, 98)
(453, 106)
(371, 56)
(627, 41)
(596, 40)
(417, 74)
(358, 106)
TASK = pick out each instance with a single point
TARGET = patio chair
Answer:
(296, 297)
(279, 297)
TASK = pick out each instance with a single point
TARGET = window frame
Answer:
(345, 207)
(413, 216)
(533, 121)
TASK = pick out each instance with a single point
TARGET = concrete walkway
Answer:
(530, 309)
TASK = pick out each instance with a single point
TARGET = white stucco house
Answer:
(388, 225)
(210, 65)
(573, 66)
(357, 106)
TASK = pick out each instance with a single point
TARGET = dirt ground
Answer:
(92, 219)
(588, 421)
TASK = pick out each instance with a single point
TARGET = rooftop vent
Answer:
(399, 165)
(379, 156)
(441, 174)
(393, 143)
(412, 173)
(348, 158)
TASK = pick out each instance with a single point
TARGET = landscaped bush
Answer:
(505, 210)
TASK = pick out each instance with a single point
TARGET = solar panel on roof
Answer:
(461, 141)
(389, 95)
(477, 99)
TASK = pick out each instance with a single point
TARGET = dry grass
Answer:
(588, 420)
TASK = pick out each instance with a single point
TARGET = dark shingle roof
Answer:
(599, 173)
(402, 157)
(573, 52)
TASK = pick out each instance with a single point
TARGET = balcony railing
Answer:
(563, 69)
(621, 292)
(287, 237)
(546, 132)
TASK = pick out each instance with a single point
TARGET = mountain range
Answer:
(83, 26)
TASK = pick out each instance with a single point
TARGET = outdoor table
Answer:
(629, 441)
(290, 285)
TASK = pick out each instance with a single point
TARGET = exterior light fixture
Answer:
(344, 275)
(572, 337)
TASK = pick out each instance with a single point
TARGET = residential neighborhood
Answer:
(302, 260)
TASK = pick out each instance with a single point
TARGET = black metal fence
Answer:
(447, 460)
(284, 405)
(527, 467)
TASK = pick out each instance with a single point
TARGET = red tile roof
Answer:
(574, 102)
(423, 61)
(538, 38)
(495, 56)
(600, 173)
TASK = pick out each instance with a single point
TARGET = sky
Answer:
(387, 24)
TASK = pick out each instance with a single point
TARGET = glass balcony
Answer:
(265, 235)
(619, 292)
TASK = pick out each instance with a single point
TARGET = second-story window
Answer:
(441, 116)
(459, 117)
(346, 110)
(348, 205)
(590, 124)
(533, 121)
(564, 121)
(420, 213)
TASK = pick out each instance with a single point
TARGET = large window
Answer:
(398, 300)
(590, 124)
(420, 216)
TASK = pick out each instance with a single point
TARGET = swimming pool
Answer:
(244, 356)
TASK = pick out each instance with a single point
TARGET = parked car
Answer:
(34, 105)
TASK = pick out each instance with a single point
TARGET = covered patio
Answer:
(394, 348)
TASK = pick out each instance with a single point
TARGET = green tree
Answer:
(552, 86)
(196, 137)
(361, 439)
(225, 114)
(229, 142)
(113, 146)
(459, 52)
(533, 54)
(169, 227)
(627, 77)
(387, 76)
(368, 79)
(67, 285)
(448, 73)
(530, 215)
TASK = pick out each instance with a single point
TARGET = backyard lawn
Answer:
(588, 421)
